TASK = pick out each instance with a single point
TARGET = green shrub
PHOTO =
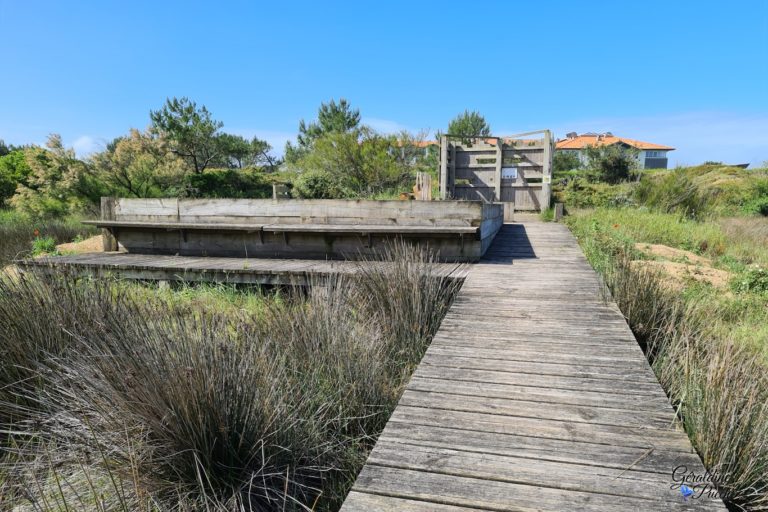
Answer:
(581, 193)
(753, 279)
(43, 245)
(674, 192)
(318, 185)
(757, 203)
(227, 183)
(612, 163)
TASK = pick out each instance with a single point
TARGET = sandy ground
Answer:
(92, 244)
(681, 266)
(670, 253)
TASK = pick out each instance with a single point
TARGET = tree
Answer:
(332, 117)
(611, 163)
(138, 165)
(357, 164)
(238, 152)
(14, 171)
(58, 181)
(191, 131)
(469, 124)
(565, 161)
(4, 148)
(234, 150)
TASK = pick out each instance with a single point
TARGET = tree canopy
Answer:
(14, 170)
(469, 124)
(332, 117)
(611, 163)
(191, 131)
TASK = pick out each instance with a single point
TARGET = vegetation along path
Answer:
(534, 395)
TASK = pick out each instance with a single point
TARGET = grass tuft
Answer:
(131, 400)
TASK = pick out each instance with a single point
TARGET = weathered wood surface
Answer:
(303, 211)
(534, 395)
(297, 228)
(197, 269)
(473, 169)
(307, 229)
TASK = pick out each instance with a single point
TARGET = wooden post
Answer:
(452, 172)
(509, 210)
(280, 191)
(546, 178)
(423, 188)
(443, 167)
(108, 239)
(558, 212)
(499, 158)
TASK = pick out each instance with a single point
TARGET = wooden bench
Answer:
(288, 228)
(320, 229)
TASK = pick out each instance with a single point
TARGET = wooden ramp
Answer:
(534, 395)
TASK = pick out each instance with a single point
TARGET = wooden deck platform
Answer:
(534, 395)
(265, 271)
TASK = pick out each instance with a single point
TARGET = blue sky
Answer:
(691, 74)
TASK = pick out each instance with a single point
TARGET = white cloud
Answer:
(85, 145)
(697, 136)
(386, 126)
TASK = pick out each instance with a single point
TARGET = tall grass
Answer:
(718, 386)
(134, 402)
(18, 233)
(716, 381)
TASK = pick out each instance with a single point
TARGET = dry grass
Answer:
(130, 402)
(706, 347)
(719, 387)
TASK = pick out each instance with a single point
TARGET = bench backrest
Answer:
(306, 211)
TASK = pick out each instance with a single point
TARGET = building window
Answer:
(653, 154)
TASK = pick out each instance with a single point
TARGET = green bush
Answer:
(611, 164)
(672, 192)
(227, 183)
(758, 202)
(14, 170)
(43, 245)
(581, 193)
(754, 279)
(318, 185)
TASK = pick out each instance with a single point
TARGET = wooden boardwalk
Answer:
(534, 395)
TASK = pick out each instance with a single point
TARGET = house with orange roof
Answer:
(649, 156)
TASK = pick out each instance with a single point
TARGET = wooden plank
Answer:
(505, 468)
(537, 448)
(108, 213)
(444, 186)
(631, 436)
(528, 407)
(502, 496)
(497, 176)
(375, 503)
(309, 228)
